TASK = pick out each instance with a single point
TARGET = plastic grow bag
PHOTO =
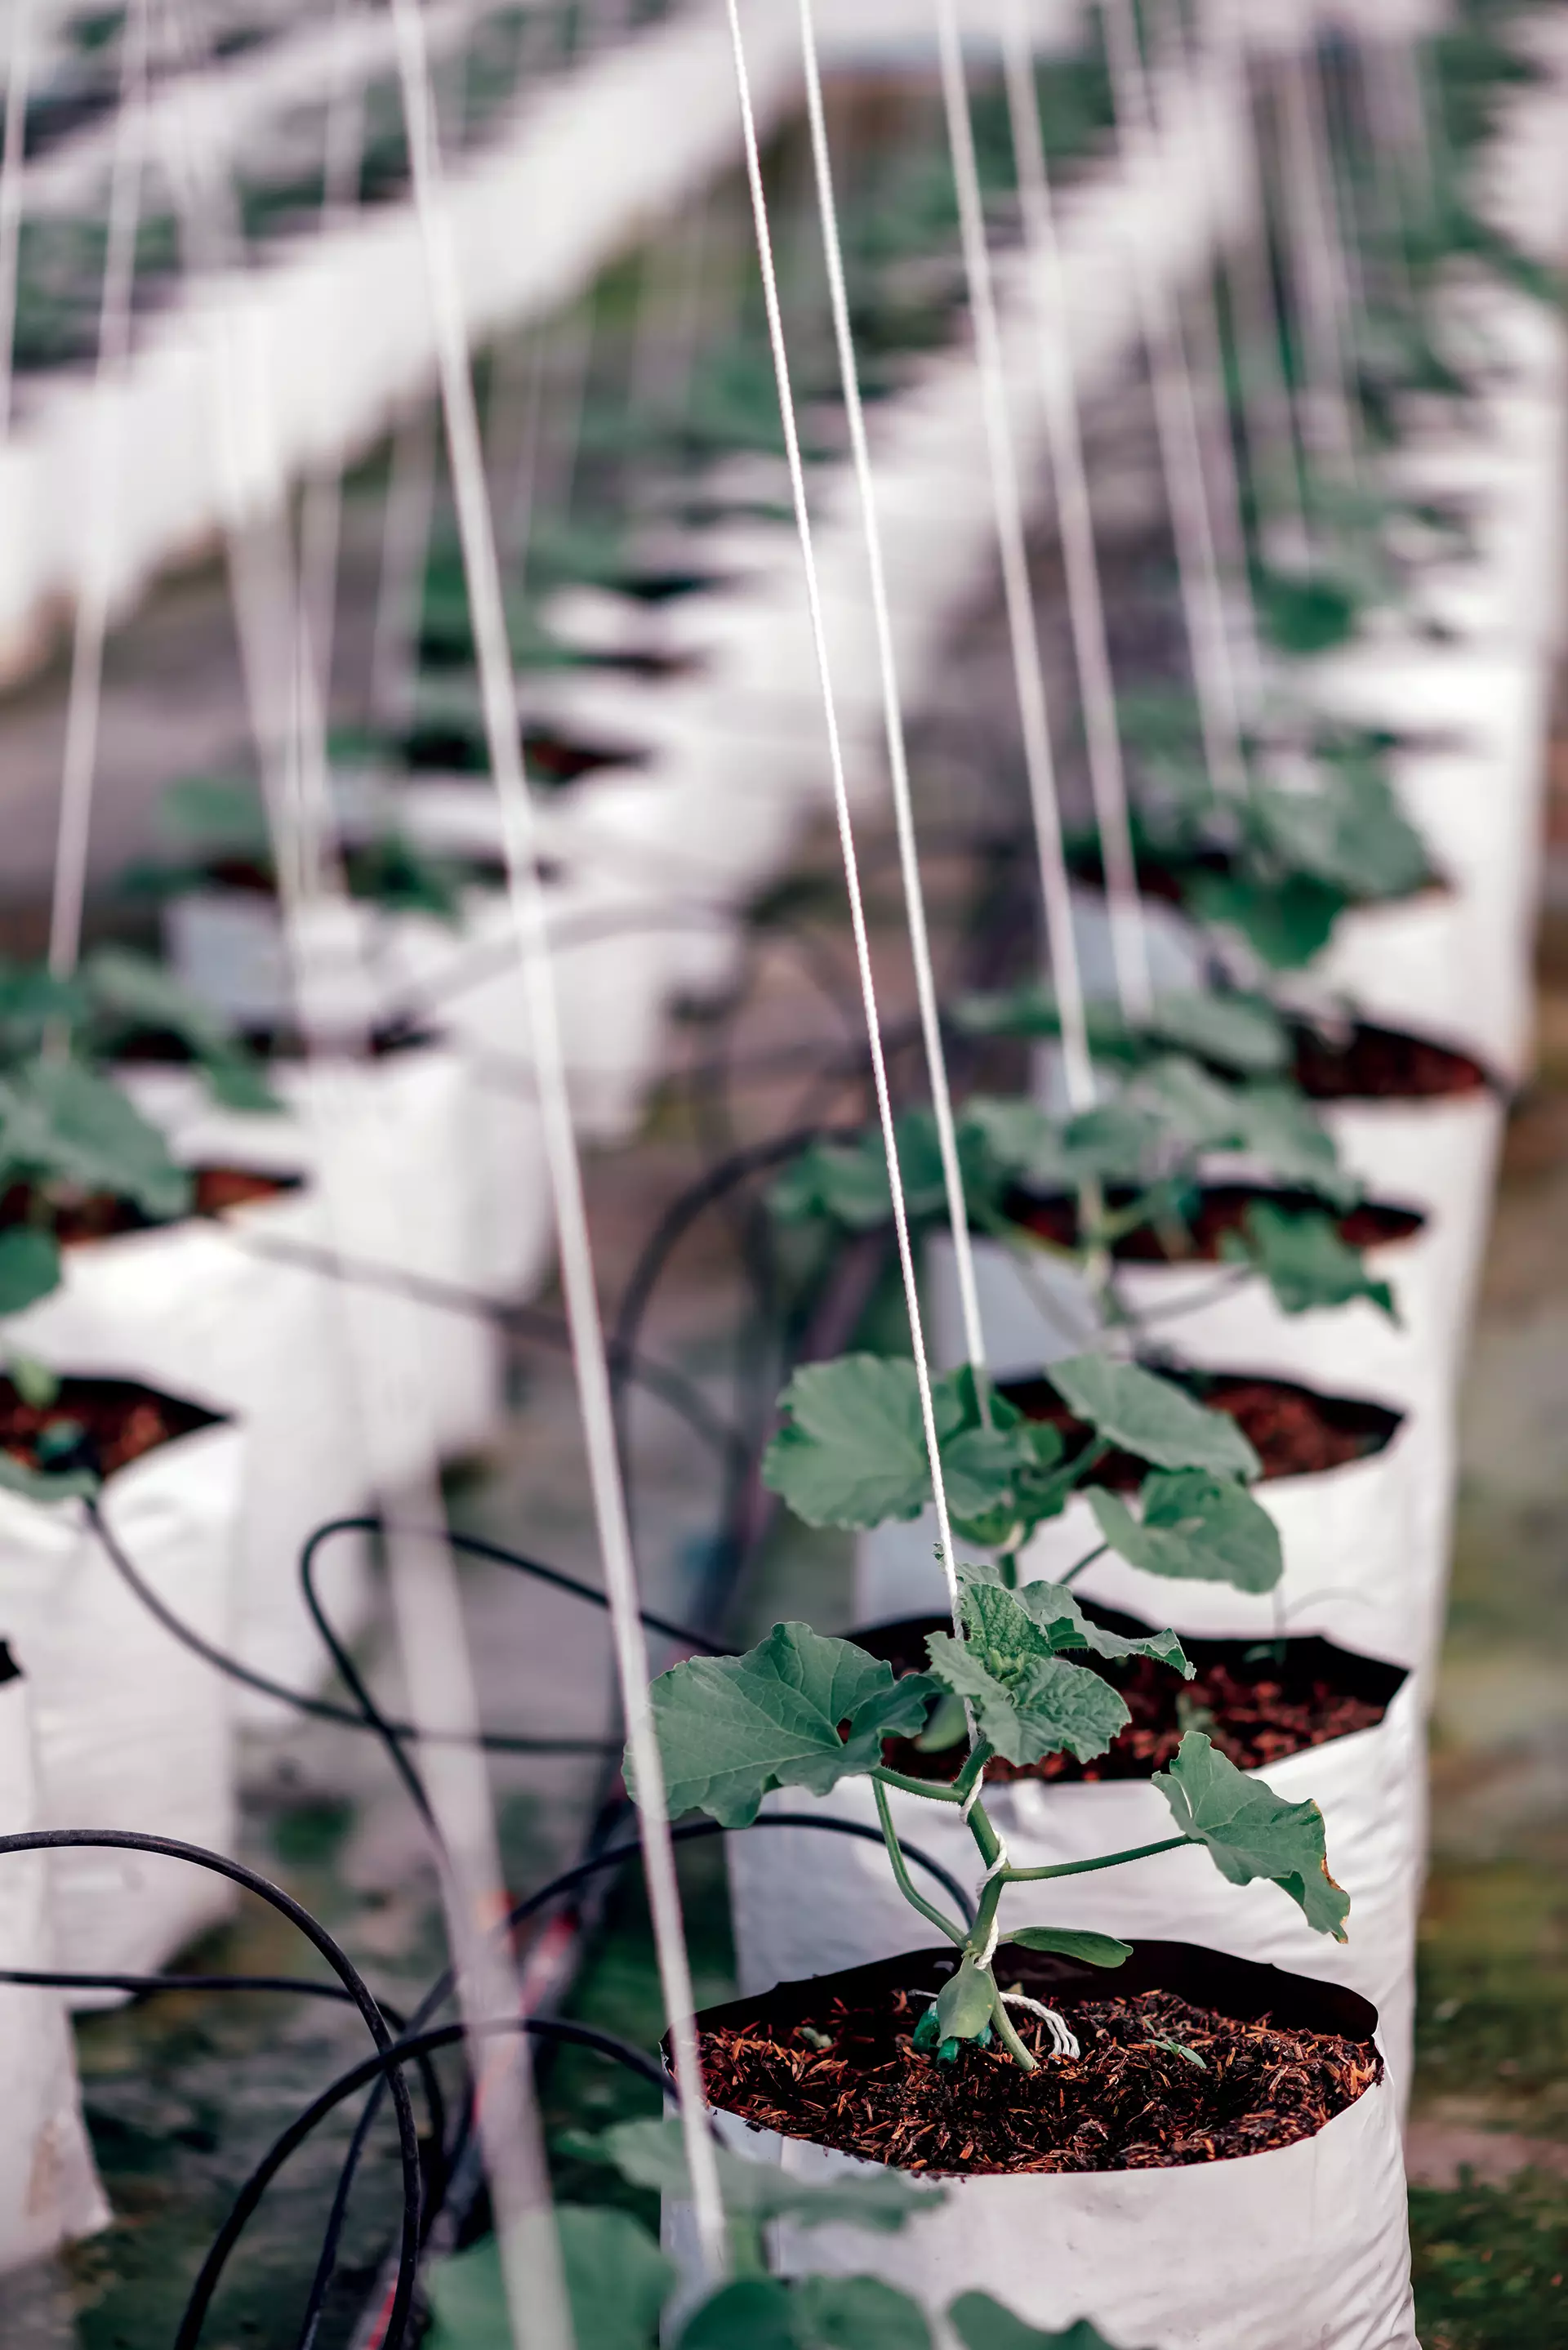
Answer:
(390, 1151)
(49, 2192)
(204, 1308)
(133, 1730)
(804, 1902)
(1306, 2244)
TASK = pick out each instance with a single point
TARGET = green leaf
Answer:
(982, 2324)
(29, 1267)
(237, 1081)
(35, 1382)
(963, 2003)
(1306, 615)
(45, 1485)
(1028, 1702)
(142, 993)
(1276, 1125)
(856, 2313)
(1303, 1259)
(617, 2280)
(1152, 1417)
(1054, 1611)
(1195, 1529)
(652, 2154)
(1346, 830)
(733, 1728)
(749, 2314)
(1285, 922)
(1244, 1033)
(1089, 1949)
(1250, 1831)
(852, 1452)
(58, 1120)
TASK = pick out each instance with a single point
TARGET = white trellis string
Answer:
(892, 713)
(1007, 499)
(1268, 407)
(841, 799)
(1075, 526)
(406, 522)
(1311, 238)
(391, 1376)
(528, 897)
(1180, 442)
(19, 68)
(321, 515)
(78, 766)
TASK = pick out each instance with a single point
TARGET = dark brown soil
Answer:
(119, 1420)
(1258, 1702)
(99, 1216)
(1196, 1237)
(160, 1048)
(10, 1670)
(832, 2061)
(1371, 1063)
(1294, 1432)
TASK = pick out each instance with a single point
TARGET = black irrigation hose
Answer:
(319, 1708)
(345, 1717)
(450, 1296)
(355, 1988)
(666, 1236)
(141, 1986)
(251, 2192)
(497, 1554)
(384, 2068)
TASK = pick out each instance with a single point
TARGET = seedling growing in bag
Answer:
(802, 1711)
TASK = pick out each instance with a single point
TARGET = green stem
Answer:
(1081, 1867)
(1006, 2033)
(1073, 1572)
(934, 1791)
(932, 1915)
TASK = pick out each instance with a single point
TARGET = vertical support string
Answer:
(1075, 525)
(347, 1123)
(1017, 592)
(528, 897)
(78, 766)
(13, 172)
(1181, 442)
(841, 795)
(406, 523)
(893, 713)
(1311, 239)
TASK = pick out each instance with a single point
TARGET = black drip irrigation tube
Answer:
(416, 2045)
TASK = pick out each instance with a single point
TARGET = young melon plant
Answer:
(1200, 1079)
(802, 1711)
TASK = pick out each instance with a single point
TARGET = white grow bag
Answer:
(390, 1148)
(807, 1902)
(131, 1729)
(201, 1308)
(49, 2192)
(1306, 2245)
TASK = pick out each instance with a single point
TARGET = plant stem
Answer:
(1081, 1867)
(1099, 1552)
(1006, 2032)
(934, 1791)
(932, 1915)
